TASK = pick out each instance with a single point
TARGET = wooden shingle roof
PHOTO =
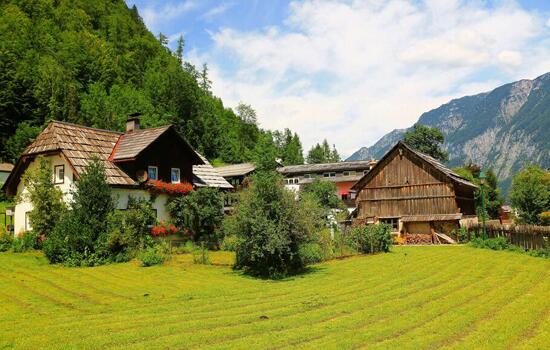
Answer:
(131, 144)
(6, 167)
(236, 169)
(79, 144)
(324, 167)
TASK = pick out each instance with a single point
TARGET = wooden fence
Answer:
(525, 236)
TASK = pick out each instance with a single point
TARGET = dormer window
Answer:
(175, 175)
(59, 173)
(153, 172)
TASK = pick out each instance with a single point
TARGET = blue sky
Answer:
(350, 71)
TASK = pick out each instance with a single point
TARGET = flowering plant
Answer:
(164, 230)
(157, 186)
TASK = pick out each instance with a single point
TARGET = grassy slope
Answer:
(415, 297)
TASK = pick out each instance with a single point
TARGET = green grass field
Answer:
(412, 298)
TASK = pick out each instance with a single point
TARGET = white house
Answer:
(131, 159)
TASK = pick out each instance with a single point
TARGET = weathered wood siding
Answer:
(405, 185)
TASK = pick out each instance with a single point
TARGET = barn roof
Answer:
(435, 164)
(205, 175)
(236, 169)
(323, 167)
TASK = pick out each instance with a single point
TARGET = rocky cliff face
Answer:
(502, 129)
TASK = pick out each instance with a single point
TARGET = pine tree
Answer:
(205, 83)
(163, 39)
(179, 49)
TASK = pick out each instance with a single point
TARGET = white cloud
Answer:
(216, 11)
(548, 22)
(153, 16)
(350, 72)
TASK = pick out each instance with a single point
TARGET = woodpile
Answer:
(418, 238)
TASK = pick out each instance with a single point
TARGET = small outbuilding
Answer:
(419, 197)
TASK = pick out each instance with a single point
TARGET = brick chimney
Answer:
(132, 123)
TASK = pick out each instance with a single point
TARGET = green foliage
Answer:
(95, 62)
(311, 253)
(530, 193)
(46, 199)
(324, 192)
(200, 255)
(370, 239)
(17, 142)
(229, 243)
(426, 140)
(499, 243)
(83, 232)
(545, 218)
(268, 228)
(26, 241)
(201, 211)
(6, 239)
(155, 255)
(543, 252)
(321, 153)
(129, 230)
(493, 198)
(289, 147)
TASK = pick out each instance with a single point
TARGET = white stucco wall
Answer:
(24, 206)
(120, 195)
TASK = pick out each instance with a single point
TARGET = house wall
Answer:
(24, 206)
(119, 194)
(404, 185)
(3, 176)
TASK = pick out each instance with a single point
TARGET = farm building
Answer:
(136, 163)
(343, 174)
(414, 193)
(236, 174)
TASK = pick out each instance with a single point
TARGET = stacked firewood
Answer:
(419, 238)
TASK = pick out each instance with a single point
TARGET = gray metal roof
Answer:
(326, 167)
(205, 175)
(236, 169)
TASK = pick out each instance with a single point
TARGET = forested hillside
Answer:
(94, 63)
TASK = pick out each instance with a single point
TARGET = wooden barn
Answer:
(422, 199)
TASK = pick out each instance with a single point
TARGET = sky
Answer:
(351, 71)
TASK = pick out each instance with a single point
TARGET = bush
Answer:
(6, 240)
(155, 255)
(268, 228)
(26, 241)
(187, 248)
(370, 239)
(545, 218)
(229, 243)
(311, 253)
(200, 212)
(82, 233)
(200, 255)
(499, 243)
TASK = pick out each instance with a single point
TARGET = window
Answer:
(394, 222)
(307, 176)
(175, 175)
(365, 171)
(332, 174)
(296, 181)
(345, 196)
(153, 172)
(345, 173)
(59, 173)
(28, 226)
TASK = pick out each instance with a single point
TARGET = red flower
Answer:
(163, 230)
(157, 186)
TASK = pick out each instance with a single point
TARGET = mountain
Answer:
(502, 129)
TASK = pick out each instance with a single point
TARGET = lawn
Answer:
(412, 298)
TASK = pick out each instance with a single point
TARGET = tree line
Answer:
(94, 63)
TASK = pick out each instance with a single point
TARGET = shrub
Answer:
(25, 241)
(229, 243)
(371, 239)
(46, 199)
(200, 212)
(545, 218)
(498, 243)
(6, 239)
(200, 255)
(155, 255)
(311, 253)
(83, 232)
(186, 248)
(530, 193)
(269, 232)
